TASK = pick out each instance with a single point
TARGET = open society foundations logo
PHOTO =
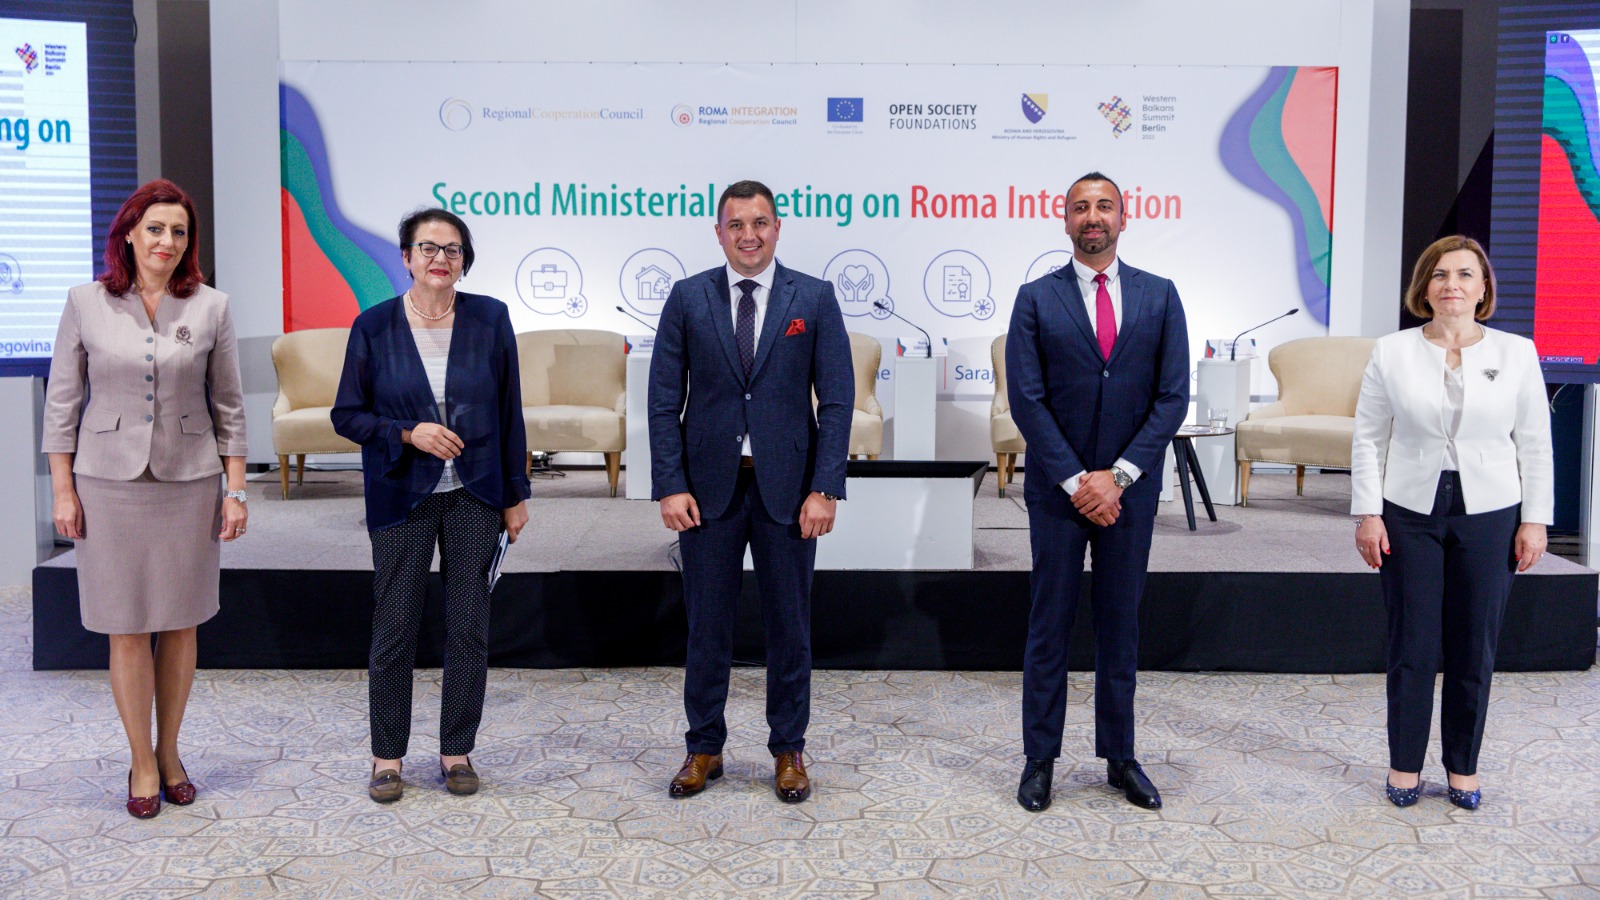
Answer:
(455, 114)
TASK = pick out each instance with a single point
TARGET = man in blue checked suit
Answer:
(738, 457)
(1097, 362)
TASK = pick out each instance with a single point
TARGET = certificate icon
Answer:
(957, 284)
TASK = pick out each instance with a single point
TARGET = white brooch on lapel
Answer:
(182, 336)
(1490, 373)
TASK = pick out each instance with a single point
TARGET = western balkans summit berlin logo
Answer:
(1118, 113)
(1034, 106)
(30, 59)
(455, 114)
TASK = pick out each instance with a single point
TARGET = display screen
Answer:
(66, 160)
(1546, 218)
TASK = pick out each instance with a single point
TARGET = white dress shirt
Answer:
(1090, 291)
(761, 293)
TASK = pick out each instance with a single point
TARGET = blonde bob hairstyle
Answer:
(1417, 294)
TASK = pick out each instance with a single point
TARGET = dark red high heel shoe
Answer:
(180, 794)
(142, 807)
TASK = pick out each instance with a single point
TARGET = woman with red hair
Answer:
(143, 411)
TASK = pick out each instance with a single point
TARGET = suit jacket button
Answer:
(149, 378)
(149, 418)
(149, 396)
(149, 357)
(1105, 373)
(747, 396)
(149, 340)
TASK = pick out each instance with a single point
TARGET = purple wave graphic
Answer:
(1567, 61)
(296, 116)
(1240, 161)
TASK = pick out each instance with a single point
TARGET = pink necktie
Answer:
(1105, 320)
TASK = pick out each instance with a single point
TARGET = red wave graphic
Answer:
(1566, 313)
(326, 300)
(1308, 130)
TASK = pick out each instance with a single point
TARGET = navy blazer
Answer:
(695, 448)
(384, 390)
(1079, 411)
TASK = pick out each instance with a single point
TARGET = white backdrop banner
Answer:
(933, 190)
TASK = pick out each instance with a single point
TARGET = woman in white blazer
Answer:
(1452, 486)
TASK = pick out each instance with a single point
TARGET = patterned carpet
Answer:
(1273, 787)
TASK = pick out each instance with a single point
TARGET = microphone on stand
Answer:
(885, 307)
(1233, 350)
(637, 319)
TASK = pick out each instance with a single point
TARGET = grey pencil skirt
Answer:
(149, 557)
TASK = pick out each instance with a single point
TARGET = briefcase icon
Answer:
(548, 283)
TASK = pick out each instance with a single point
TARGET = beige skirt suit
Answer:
(149, 409)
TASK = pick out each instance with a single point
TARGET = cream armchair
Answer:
(1003, 433)
(1312, 423)
(574, 390)
(866, 422)
(308, 363)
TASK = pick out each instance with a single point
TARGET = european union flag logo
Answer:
(844, 109)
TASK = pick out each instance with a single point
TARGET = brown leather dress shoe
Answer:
(698, 768)
(789, 778)
(385, 786)
(461, 779)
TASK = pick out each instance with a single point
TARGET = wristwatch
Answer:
(240, 496)
(830, 497)
(1123, 479)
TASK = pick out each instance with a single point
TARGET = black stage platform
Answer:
(1273, 588)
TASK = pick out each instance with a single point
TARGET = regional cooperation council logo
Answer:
(683, 115)
(455, 114)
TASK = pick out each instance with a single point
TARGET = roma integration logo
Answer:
(30, 59)
(683, 115)
(1117, 113)
(1034, 106)
(455, 114)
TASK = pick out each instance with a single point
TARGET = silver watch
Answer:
(240, 496)
(1123, 479)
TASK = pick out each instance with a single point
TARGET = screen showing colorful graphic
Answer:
(46, 242)
(1566, 319)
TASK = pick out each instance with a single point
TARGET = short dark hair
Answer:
(1097, 175)
(744, 190)
(121, 271)
(414, 220)
(1416, 300)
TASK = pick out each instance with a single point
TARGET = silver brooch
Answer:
(182, 336)
(1490, 373)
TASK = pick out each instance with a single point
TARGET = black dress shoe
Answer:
(1034, 792)
(1126, 775)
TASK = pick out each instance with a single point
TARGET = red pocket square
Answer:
(796, 326)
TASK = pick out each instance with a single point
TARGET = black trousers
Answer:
(713, 570)
(1121, 556)
(1445, 583)
(467, 532)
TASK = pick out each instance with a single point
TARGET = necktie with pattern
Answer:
(1105, 318)
(744, 332)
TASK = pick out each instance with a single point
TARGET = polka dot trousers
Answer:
(466, 532)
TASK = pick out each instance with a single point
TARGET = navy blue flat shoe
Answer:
(1403, 797)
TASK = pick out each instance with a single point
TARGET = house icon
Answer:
(652, 283)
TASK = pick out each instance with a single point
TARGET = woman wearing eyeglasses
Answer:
(430, 391)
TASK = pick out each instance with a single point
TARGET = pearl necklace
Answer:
(450, 307)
